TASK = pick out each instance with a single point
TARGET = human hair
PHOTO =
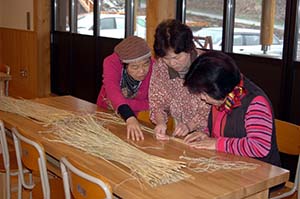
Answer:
(214, 73)
(173, 34)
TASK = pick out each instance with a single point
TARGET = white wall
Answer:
(13, 14)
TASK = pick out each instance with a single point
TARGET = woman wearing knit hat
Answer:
(175, 51)
(126, 76)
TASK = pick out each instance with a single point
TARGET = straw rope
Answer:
(210, 165)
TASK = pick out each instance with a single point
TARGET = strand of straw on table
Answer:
(88, 134)
(210, 165)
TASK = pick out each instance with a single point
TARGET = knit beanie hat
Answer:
(132, 49)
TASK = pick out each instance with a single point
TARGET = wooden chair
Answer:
(288, 140)
(83, 184)
(204, 42)
(31, 155)
(4, 79)
(8, 163)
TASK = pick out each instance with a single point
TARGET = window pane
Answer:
(140, 19)
(107, 23)
(249, 16)
(61, 15)
(205, 17)
(112, 18)
(85, 17)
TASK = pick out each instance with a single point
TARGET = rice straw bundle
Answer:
(88, 134)
(210, 165)
(35, 111)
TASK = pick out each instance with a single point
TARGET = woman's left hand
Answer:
(200, 140)
(134, 131)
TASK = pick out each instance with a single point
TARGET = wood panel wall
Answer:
(19, 51)
(28, 55)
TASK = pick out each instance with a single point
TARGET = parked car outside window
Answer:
(111, 25)
(245, 41)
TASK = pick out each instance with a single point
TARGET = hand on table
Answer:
(160, 132)
(181, 130)
(134, 131)
(200, 140)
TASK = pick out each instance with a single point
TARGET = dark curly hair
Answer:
(214, 73)
(173, 34)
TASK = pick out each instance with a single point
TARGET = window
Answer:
(205, 17)
(251, 18)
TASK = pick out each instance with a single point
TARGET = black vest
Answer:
(235, 125)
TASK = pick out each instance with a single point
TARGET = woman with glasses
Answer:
(175, 51)
(241, 120)
(126, 76)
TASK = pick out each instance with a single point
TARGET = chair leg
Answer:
(20, 189)
(7, 184)
(31, 182)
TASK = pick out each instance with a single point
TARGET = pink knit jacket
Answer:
(110, 95)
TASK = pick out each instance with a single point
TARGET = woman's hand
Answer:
(134, 131)
(196, 136)
(181, 130)
(200, 140)
(160, 132)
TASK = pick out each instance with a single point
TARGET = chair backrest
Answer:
(82, 183)
(288, 137)
(30, 154)
(204, 42)
(4, 79)
(288, 141)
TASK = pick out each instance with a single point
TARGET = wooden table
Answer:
(225, 184)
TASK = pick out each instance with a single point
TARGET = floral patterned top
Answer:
(168, 96)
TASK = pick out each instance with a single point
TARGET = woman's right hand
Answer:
(160, 132)
(134, 131)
